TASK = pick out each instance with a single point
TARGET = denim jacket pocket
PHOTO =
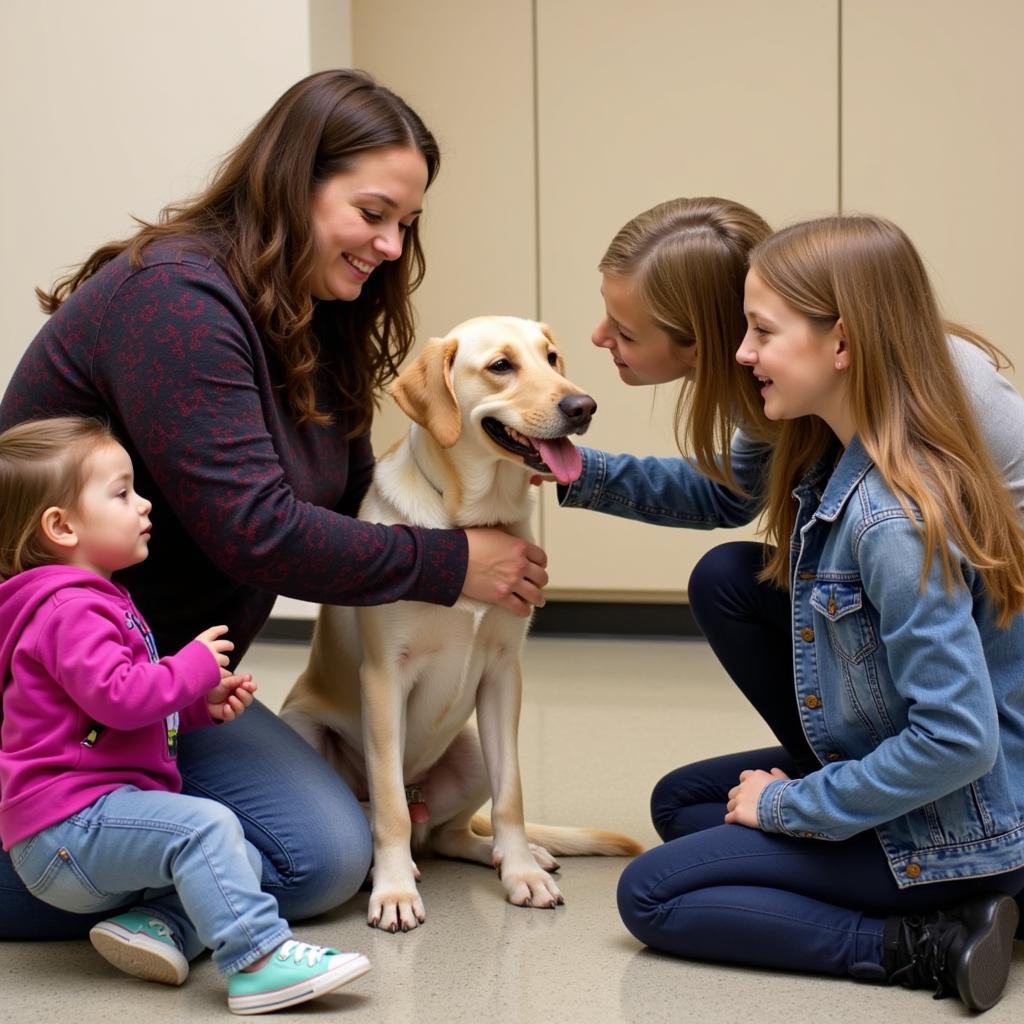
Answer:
(841, 604)
(55, 877)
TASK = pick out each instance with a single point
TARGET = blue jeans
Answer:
(309, 829)
(180, 858)
(737, 895)
(748, 625)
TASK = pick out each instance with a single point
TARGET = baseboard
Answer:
(558, 618)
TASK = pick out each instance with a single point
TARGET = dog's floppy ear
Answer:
(550, 335)
(424, 391)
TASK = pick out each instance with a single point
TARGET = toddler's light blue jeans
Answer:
(294, 808)
(181, 858)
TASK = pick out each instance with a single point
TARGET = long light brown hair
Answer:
(688, 261)
(42, 463)
(256, 216)
(905, 395)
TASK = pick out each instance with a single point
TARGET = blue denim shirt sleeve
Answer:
(949, 733)
(670, 491)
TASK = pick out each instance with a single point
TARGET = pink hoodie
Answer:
(76, 654)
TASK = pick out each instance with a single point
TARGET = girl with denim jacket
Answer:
(893, 855)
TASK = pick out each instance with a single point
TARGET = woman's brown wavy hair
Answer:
(688, 262)
(256, 216)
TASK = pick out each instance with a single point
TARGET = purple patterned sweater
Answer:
(246, 505)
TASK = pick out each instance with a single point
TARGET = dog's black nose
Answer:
(578, 408)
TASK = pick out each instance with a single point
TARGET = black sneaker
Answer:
(964, 951)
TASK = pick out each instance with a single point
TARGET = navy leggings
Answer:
(732, 894)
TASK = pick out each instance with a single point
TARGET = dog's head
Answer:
(498, 382)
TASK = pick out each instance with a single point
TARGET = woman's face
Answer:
(642, 352)
(360, 218)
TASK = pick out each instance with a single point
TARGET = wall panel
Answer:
(638, 103)
(933, 139)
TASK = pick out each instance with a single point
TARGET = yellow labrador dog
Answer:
(389, 691)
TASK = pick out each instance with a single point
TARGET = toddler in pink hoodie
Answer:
(91, 807)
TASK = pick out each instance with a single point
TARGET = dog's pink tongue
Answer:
(561, 457)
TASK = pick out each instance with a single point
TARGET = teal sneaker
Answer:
(141, 945)
(295, 973)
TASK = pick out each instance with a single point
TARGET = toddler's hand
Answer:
(742, 805)
(231, 697)
(216, 646)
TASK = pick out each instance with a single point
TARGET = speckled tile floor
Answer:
(602, 721)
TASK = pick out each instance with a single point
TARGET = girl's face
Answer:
(801, 368)
(360, 218)
(110, 521)
(642, 352)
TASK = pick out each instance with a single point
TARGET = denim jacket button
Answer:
(807, 633)
(833, 756)
(811, 701)
(912, 870)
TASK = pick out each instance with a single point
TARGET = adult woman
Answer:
(236, 348)
(673, 285)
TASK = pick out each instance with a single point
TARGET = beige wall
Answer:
(116, 108)
(933, 137)
(637, 104)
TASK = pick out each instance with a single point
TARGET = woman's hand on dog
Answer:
(505, 570)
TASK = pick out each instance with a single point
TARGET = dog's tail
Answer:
(560, 841)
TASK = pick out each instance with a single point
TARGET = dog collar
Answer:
(423, 473)
(418, 811)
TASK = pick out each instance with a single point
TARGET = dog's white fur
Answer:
(389, 691)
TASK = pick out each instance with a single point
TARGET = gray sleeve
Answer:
(999, 409)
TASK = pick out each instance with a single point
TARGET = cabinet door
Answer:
(932, 139)
(638, 103)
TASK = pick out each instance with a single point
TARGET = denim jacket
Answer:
(913, 700)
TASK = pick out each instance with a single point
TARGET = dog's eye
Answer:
(501, 366)
(553, 358)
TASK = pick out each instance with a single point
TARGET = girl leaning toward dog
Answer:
(236, 349)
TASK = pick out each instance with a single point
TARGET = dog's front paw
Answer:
(528, 885)
(395, 909)
(533, 889)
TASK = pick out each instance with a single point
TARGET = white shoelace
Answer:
(160, 928)
(293, 950)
